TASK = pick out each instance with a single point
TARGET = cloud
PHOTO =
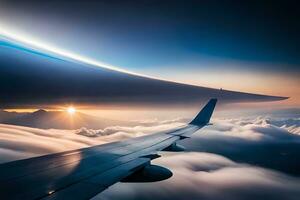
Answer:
(259, 128)
(133, 131)
(292, 125)
(241, 158)
(156, 121)
(209, 176)
(18, 142)
(260, 151)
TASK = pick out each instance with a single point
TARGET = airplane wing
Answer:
(83, 173)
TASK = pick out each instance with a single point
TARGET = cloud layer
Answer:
(240, 158)
(261, 151)
(209, 176)
(18, 142)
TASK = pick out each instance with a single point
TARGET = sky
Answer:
(250, 46)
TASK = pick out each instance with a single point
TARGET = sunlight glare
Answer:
(71, 110)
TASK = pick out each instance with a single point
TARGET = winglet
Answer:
(204, 115)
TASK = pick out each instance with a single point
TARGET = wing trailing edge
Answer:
(205, 114)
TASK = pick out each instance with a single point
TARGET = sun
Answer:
(71, 110)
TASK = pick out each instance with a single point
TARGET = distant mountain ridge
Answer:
(57, 120)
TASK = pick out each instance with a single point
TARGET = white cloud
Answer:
(18, 142)
(133, 131)
(209, 176)
(290, 124)
(260, 128)
(196, 175)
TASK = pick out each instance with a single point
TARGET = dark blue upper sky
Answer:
(150, 33)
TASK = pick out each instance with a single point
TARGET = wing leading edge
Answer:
(83, 173)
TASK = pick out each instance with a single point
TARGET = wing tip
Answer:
(205, 114)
